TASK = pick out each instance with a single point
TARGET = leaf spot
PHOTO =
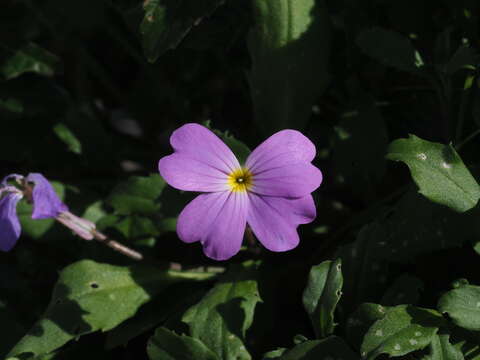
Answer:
(413, 342)
(397, 347)
(94, 285)
(231, 337)
(381, 309)
(379, 333)
(446, 165)
(422, 156)
(418, 333)
(478, 304)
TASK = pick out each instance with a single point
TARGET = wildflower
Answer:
(46, 204)
(270, 192)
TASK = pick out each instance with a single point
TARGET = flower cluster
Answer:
(270, 192)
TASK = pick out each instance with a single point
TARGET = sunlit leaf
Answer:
(438, 171)
(463, 306)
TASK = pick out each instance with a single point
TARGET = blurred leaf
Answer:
(330, 348)
(274, 354)
(166, 23)
(137, 195)
(37, 228)
(68, 137)
(438, 171)
(11, 104)
(389, 48)
(441, 349)
(322, 294)
(166, 345)
(134, 226)
(361, 320)
(222, 317)
(463, 306)
(464, 56)
(290, 48)
(31, 58)
(403, 329)
(405, 290)
(84, 297)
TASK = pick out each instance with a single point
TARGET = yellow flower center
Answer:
(240, 180)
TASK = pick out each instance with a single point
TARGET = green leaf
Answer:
(463, 306)
(403, 329)
(84, 297)
(11, 104)
(361, 320)
(166, 345)
(405, 290)
(322, 294)
(441, 349)
(290, 48)
(37, 228)
(31, 58)
(68, 137)
(274, 354)
(133, 227)
(389, 48)
(166, 22)
(222, 317)
(137, 195)
(330, 348)
(463, 57)
(438, 171)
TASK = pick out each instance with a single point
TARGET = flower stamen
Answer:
(240, 180)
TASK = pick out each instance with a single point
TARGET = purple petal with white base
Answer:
(46, 203)
(281, 166)
(217, 220)
(9, 224)
(274, 220)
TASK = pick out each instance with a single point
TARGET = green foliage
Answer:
(463, 306)
(30, 58)
(68, 137)
(284, 85)
(224, 314)
(403, 329)
(167, 22)
(442, 349)
(438, 171)
(83, 297)
(322, 294)
(166, 345)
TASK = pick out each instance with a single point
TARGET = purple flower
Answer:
(46, 204)
(270, 192)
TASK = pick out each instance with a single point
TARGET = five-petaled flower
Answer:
(46, 204)
(270, 192)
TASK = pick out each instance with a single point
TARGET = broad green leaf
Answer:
(37, 228)
(222, 317)
(403, 329)
(166, 22)
(30, 58)
(240, 150)
(166, 345)
(463, 306)
(405, 290)
(441, 349)
(389, 48)
(438, 171)
(360, 321)
(134, 226)
(322, 294)
(290, 47)
(83, 299)
(329, 348)
(137, 195)
(68, 137)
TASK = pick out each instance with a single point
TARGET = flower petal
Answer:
(281, 166)
(9, 224)
(185, 173)
(274, 220)
(11, 176)
(46, 203)
(217, 220)
(282, 148)
(208, 157)
(294, 180)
